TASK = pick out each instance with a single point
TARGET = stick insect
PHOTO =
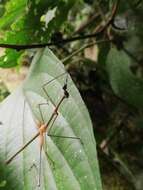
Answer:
(43, 127)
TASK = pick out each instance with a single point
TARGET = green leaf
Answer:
(9, 59)
(2, 184)
(76, 165)
(124, 83)
(21, 23)
(14, 9)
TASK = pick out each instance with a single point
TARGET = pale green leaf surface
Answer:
(76, 166)
(16, 129)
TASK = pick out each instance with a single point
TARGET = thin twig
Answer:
(86, 23)
(82, 48)
(110, 19)
(98, 31)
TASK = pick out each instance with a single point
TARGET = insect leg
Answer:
(66, 137)
(47, 83)
(40, 110)
(59, 136)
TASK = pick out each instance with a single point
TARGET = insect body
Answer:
(43, 127)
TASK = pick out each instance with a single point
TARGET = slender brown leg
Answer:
(44, 89)
(50, 127)
(47, 83)
(40, 111)
(50, 159)
(37, 171)
(40, 167)
(66, 137)
(48, 134)
(33, 166)
(55, 78)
